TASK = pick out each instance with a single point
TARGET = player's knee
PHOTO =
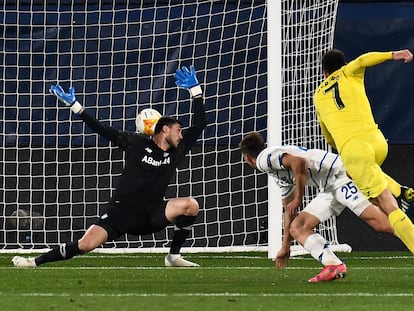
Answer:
(192, 207)
(85, 246)
(94, 237)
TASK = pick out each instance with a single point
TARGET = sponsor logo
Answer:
(151, 161)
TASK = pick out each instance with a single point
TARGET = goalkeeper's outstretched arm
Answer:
(186, 78)
(69, 99)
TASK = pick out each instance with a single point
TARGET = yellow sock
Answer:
(403, 228)
(394, 186)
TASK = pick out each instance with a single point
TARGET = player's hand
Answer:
(292, 207)
(69, 99)
(404, 55)
(187, 79)
(282, 259)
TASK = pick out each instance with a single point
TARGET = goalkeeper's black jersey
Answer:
(148, 169)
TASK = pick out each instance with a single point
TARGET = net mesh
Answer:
(307, 32)
(56, 175)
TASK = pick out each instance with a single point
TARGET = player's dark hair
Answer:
(333, 60)
(252, 144)
(168, 121)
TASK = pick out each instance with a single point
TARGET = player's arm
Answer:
(186, 78)
(69, 99)
(291, 203)
(359, 64)
(282, 257)
(298, 167)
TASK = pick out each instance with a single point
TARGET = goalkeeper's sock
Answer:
(64, 251)
(180, 235)
(403, 228)
(319, 249)
(182, 229)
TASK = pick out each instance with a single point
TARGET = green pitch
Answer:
(242, 281)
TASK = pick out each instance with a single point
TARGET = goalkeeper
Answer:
(346, 120)
(138, 206)
(295, 167)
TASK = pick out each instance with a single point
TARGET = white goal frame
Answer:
(306, 30)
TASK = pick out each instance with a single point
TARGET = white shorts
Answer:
(329, 203)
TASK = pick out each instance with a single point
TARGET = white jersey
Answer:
(324, 168)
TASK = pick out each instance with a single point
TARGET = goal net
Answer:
(56, 174)
(307, 32)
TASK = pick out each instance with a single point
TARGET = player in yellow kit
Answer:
(346, 119)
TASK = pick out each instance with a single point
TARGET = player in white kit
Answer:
(294, 168)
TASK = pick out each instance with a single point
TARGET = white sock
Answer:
(319, 249)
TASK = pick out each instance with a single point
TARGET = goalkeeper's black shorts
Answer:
(119, 219)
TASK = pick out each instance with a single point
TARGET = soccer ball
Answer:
(146, 121)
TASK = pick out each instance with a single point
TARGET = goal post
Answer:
(274, 117)
(56, 174)
(307, 31)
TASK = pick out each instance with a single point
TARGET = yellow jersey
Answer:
(341, 104)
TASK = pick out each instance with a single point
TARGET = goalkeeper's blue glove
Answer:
(187, 79)
(69, 99)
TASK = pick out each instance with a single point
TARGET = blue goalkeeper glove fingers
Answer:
(69, 99)
(187, 79)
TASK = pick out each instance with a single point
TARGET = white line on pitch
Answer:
(92, 256)
(195, 268)
(209, 295)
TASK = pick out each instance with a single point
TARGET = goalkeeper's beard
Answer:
(171, 143)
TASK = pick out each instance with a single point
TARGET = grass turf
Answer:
(242, 281)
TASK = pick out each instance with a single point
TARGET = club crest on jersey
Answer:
(153, 162)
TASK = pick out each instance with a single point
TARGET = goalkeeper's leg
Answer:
(93, 237)
(185, 211)
(182, 229)
(63, 252)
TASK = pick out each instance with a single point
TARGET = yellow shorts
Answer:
(362, 156)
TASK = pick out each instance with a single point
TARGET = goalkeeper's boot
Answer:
(22, 262)
(330, 273)
(173, 260)
(406, 201)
